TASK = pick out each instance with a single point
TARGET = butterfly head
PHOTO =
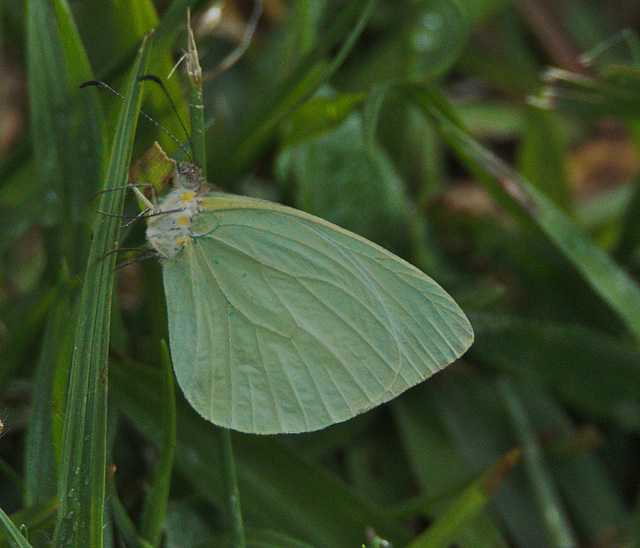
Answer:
(189, 176)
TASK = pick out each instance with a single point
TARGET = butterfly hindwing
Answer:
(282, 322)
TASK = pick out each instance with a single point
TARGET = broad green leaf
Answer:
(233, 154)
(342, 179)
(436, 33)
(318, 116)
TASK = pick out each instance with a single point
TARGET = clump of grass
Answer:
(427, 127)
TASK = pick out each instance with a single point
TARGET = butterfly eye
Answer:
(188, 175)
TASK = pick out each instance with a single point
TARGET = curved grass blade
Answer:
(123, 522)
(551, 508)
(81, 484)
(468, 504)
(35, 520)
(12, 532)
(606, 278)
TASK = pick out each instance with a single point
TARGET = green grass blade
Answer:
(437, 466)
(606, 278)
(35, 519)
(88, 137)
(319, 116)
(232, 492)
(123, 522)
(12, 532)
(67, 132)
(155, 510)
(81, 484)
(56, 349)
(541, 154)
(592, 499)
(467, 505)
(596, 374)
(469, 411)
(551, 508)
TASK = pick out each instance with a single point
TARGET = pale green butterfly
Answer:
(282, 322)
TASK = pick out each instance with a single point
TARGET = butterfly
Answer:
(281, 322)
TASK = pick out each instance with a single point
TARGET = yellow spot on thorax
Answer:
(183, 220)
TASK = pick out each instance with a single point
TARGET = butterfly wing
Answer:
(282, 322)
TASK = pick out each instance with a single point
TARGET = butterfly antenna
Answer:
(233, 57)
(145, 254)
(102, 85)
(122, 250)
(119, 189)
(154, 78)
(118, 216)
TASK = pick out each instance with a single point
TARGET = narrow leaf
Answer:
(606, 278)
(155, 510)
(81, 484)
(547, 497)
(12, 532)
(468, 505)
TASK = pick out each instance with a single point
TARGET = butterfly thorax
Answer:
(169, 227)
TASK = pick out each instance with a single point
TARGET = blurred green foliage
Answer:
(436, 128)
